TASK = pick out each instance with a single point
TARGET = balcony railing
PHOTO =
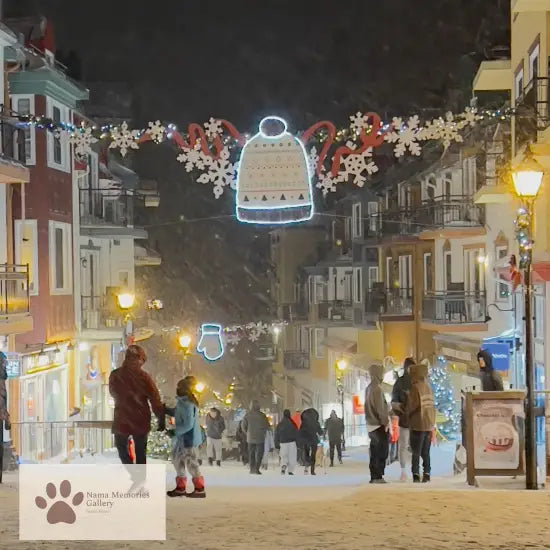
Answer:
(294, 312)
(13, 141)
(99, 312)
(296, 360)
(454, 307)
(532, 111)
(14, 289)
(106, 207)
(335, 310)
(390, 301)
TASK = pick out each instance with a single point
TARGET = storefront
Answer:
(43, 404)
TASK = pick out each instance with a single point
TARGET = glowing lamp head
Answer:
(126, 300)
(527, 177)
(184, 341)
(200, 387)
(341, 365)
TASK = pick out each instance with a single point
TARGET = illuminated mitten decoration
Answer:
(210, 344)
(273, 181)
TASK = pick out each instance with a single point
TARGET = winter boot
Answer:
(313, 470)
(283, 470)
(180, 490)
(210, 461)
(426, 478)
(198, 492)
(416, 478)
(218, 463)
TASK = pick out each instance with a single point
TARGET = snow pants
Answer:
(214, 448)
(404, 447)
(289, 456)
(186, 459)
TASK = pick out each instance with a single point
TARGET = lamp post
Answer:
(125, 301)
(527, 178)
(184, 342)
(341, 365)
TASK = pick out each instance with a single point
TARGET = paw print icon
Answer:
(59, 510)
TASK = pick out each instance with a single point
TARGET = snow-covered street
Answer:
(338, 510)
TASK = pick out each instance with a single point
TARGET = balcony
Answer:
(492, 76)
(266, 352)
(106, 212)
(13, 157)
(296, 360)
(450, 211)
(532, 112)
(390, 302)
(454, 307)
(335, 311)
(100, 313)
(294, 312)
(15, 315)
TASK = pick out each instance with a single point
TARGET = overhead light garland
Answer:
(336, 156)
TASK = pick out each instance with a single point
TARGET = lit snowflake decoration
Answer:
(359, 122)
(255, 330)
(357, 165)
(233, 338)
(447, 130)
(213, 127)
(470, 117)
(327, 183)
(193, 158)
(124, 139)
(313, 159)
(405, 135)
(156, 131)
(82, 139)
(220, 172)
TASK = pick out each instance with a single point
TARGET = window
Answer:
(428, 274)
(347, 228)
(26, 250)
(58, 145)
(24, 105)
(539, 316)
(358, 285)
(389, 274)
(302, 339)
(534, 62)
(469, 176)
(373, 216)
(405, 272)
(503, 289)
(357, 222)
(60, 258)
(318, 346)
(373, 276)
(448, 270)
(316, 289)
(518, 82)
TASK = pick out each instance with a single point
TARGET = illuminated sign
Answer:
(210, 344)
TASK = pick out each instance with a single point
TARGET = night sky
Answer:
(305, 59)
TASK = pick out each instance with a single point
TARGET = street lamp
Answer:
(125, 301)
(527, 178)
(341, 366)
(184, 342)
(200, 387)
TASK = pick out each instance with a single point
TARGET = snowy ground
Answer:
(336, 510)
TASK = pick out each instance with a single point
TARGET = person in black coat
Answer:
(490, 379)
(286, 434)
(334, 430)
(310, 430)
(401, 389)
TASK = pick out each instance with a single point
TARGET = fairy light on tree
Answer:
(447, 410)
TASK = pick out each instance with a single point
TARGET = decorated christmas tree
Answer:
(159, 444)
(447, 413)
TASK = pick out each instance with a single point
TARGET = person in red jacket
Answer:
(134, 393)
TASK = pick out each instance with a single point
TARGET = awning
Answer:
(541, 272)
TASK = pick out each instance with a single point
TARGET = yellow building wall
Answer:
(319, 367)
(371, 343)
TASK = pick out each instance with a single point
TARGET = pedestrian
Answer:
(269, 446)
(188, 438)
(334, 431)
(399, 394)
(297, 419)
(421, 414)
(490, 379)
(378, 421)
(255, 425)
(310, 430)
(240, 436)
(286, 434)
(215, 426)
(134, 392)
